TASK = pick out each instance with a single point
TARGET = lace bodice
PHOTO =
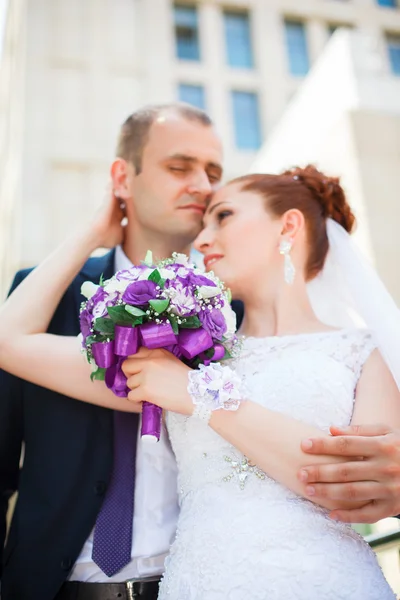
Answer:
(242, 534)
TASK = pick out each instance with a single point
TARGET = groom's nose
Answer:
(200, 185)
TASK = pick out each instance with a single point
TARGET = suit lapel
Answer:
(93, 269)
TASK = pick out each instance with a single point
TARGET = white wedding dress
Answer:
(243, 536)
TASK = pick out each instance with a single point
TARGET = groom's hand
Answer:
(371, 474)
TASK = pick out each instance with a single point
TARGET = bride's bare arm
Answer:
(273, 440)
(49, 360)
(270, 439)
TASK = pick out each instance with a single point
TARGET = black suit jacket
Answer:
(66, 468)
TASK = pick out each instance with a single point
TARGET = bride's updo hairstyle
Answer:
(308, 190)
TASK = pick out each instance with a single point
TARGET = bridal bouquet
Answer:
(170, 305)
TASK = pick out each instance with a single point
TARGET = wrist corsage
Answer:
(215, 387)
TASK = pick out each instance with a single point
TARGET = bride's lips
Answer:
(211, 259)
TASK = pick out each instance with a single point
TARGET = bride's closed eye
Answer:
(223, 214)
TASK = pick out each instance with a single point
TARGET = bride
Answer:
(247, 528)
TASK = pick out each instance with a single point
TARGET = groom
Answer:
(169, 161)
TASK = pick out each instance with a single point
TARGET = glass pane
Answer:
(393, 43)
(192, 94)
(186, 32)
(238, 39)
(387, 3)
(296, 44)
(246, 120)
(186, 16)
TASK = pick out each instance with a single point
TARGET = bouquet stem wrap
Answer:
(150, 335)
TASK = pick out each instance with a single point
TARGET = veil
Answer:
(348, 292)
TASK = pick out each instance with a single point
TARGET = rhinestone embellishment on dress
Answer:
(241, 469)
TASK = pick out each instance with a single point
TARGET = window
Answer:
(392, 3)
(186, 32)
(192, 94)
(238, 39)
(296, 44)
(393, 45)
(246, 120)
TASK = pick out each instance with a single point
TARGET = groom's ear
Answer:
(292, 223)
(122, 173)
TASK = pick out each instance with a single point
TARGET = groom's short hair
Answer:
(135, 130)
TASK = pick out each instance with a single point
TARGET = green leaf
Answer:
(161, 283)
(209, 353)
(133, 310)
(100, 374)
(175, 326)
(159, 305)
(104, 325)
(119, 315)
(93, 339)
(155, 276)
(148, 260)
(226, 355)
(229, 295)
(101, 282)
(191, 323)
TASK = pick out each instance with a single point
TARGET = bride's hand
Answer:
(157, 376)
(106, 225)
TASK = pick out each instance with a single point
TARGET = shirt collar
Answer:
(122, 262)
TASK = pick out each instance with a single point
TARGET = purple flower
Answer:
(183, 300)
(198, 279)
(85, 319)
(101, 300)
(134, 273)
(139, 293)
(194, 279)
(213, 321)
(99, 296)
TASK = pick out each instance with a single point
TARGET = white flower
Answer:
(183, 272)
(113, 285)
(230, 319)
(208, 291)
(144, 274)
(182, 301)
(181, 259)
(88, 289)
(93, 365)
(167, 273)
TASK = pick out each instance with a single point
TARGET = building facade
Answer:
(86, 64)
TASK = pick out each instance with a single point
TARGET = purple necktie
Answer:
(112, 540)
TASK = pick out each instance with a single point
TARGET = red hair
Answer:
(308, 190)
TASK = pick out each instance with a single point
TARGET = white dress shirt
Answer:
(155, 508)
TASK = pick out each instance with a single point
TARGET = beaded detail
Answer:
(241, 470)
